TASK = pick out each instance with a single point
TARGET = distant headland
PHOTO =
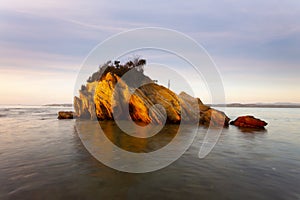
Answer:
(258, 105)
(60, 105)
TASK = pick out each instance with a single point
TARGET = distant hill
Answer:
(62, 105)
(259, 105)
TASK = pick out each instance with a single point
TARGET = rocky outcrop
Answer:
(249, 122)
(113, 98)
(214, 118)
(66, 115)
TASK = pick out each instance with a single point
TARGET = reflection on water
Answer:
(138, 144)
(132, 154)
(252, 130)
(45, 159)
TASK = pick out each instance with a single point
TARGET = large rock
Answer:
(249, 122)
(99, 100)
(213, 117)
(110, 103)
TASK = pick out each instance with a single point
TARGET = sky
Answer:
(254, 44)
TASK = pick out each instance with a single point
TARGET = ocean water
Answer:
(43, 158)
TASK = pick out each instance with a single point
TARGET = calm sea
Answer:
(43, 158)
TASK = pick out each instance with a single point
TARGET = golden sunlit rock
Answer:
(99, 100)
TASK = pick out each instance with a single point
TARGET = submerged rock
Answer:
(66, 115)
(249, 122)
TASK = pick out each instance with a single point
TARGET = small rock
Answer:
(66, 115)
(249, 122)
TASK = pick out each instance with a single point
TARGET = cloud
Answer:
(17, 58)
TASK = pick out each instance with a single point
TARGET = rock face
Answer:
(112, 98)
(66, 115)
(249, 122)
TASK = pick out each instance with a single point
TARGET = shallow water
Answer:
(43, 158)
